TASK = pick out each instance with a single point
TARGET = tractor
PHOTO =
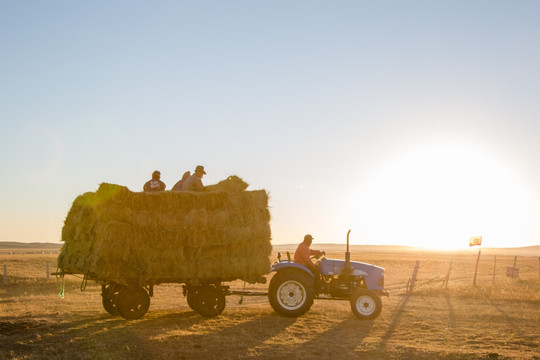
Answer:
(293, 288)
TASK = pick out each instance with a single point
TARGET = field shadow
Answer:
(184, 335)
(451, 311)
(398, 313)
(339, 341)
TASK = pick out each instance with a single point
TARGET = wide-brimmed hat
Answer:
(200, 168)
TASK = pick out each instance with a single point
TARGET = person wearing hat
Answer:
(303, 254)
(194, 182)
(155, 184)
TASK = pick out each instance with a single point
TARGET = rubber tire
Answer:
(108, 299)
(209, 301)
(190, 297)
(293, 287)
(366, 304)
(132, 302)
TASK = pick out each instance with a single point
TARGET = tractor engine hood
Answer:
(372, 274)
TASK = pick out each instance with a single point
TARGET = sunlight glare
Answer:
(437, 197)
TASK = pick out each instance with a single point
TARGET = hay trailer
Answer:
(130, 242)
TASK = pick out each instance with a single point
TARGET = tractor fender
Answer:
(288, 265)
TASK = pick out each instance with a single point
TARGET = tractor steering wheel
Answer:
(321, 254)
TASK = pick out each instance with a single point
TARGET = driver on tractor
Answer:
(303, 254)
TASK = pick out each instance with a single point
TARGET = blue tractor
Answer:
(293, 288)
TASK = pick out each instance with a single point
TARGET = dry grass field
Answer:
(499, 319)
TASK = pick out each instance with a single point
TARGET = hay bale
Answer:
(140, 238)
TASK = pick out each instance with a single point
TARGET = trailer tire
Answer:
(132, 302)
(291, 293)
(366, 304)
(108, 298)
(190, 297)
(209, 301)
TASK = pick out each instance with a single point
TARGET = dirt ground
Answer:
(497, 319)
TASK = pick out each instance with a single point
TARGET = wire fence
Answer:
(27, 268)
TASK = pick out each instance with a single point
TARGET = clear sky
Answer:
(409, 122)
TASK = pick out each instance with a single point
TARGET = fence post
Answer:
(47, 269)
(5, 275)
(476, 268)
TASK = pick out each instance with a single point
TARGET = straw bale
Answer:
(130, 237)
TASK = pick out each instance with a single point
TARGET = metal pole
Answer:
(47, 275)
(5, 275)
(476, 268)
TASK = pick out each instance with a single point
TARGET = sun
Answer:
(439, 195)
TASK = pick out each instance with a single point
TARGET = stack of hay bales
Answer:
(141, 238)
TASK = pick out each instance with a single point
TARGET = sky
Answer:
(409, 122)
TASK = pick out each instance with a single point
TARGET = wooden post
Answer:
(476, 268)
(47, 270)
(494, 268)
(5, 275)
(413, 279)
(515, 260)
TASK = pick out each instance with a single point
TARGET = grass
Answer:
(498, 320)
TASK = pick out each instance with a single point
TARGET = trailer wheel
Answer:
(209, 301)
(132, 302)
(108, 295)
(291, 293)
(366, 304)
(190, 297)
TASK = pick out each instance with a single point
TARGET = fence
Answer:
(485, 270)
(26, 268)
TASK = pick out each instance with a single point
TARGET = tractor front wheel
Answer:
(291, 293)
(366, 304)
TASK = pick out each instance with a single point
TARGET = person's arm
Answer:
(314, 252)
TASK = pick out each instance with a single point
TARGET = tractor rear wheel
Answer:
(132, 302)
(209, 301)
(366, 304)
(291, 293)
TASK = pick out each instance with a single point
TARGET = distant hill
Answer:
(13, 246)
